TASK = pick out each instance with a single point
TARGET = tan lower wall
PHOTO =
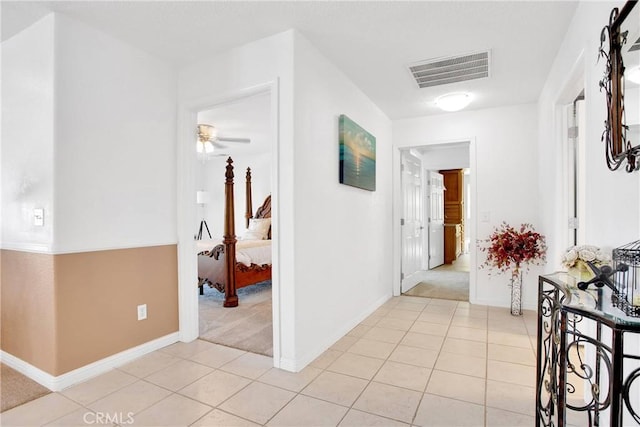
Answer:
(97, 297)
(66, 311)
(28, 314)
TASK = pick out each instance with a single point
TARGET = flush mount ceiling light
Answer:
(453, 101)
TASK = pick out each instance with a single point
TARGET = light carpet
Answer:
(451, 285)
(16, 389)
(247, 327)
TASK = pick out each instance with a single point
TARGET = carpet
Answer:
(16, 389)
(246, 327)
(451, 285)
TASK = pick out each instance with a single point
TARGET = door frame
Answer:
(187, 210)
(574, 84)
(397, 214)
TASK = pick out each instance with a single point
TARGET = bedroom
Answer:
(242, 134)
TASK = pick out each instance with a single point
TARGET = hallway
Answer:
(415, 361)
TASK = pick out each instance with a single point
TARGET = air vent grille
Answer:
(443, 71)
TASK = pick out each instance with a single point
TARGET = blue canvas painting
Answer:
(357, 155)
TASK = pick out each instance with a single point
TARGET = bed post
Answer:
(230, 296)
(249, 207)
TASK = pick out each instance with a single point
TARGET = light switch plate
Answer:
(38, 217)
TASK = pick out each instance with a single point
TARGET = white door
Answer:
(412, 239)
(436, 219)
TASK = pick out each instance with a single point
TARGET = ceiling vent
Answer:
(442, 71)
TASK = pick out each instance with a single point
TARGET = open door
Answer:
(436, 219)
(412, 223)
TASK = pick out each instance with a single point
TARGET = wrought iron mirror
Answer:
(621, 84)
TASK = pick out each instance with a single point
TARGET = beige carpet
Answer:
(445, 282)
(16, 389)
(247, 327)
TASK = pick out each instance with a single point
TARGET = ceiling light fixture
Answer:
(204, 146)
(453, 101)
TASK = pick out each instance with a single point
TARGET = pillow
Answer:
(258, 229)
(251, 235)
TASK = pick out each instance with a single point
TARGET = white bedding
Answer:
(247, 252)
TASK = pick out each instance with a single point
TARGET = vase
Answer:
(516, 293)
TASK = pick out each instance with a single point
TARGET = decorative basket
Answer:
(627, 283)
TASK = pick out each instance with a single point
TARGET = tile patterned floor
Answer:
(414, 362)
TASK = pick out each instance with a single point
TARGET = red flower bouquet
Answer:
(509, 249)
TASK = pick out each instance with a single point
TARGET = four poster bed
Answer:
(232, 263)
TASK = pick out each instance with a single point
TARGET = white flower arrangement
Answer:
(585, 253)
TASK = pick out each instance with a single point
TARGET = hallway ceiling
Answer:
(371, 42)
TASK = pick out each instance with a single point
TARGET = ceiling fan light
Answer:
(208, 147)
(207, 132)
(453, 101)
(200, 147)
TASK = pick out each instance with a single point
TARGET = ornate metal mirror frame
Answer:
(618, 148)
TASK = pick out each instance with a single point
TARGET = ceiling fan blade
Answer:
(216, 144)
(243, 140)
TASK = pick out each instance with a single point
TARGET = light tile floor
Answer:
(414, 362)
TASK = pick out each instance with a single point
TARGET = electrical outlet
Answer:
(142, 312)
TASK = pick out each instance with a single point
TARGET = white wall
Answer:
(27, 136)
(343, 240)
(612, 205)
(263, 65)
(114, 143)
(313, 272)
(632, 106)
(612, 202)
(506, 181)
(443, 157)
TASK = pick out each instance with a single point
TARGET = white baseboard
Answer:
(287, 364)
(296, 365)
(88, 371)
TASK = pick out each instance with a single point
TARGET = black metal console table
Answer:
(588, 351)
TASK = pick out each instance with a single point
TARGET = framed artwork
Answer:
(357, 155)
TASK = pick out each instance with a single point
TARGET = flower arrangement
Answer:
(576, 255)
(509, 249)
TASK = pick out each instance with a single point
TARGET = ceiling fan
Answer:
(209, 141)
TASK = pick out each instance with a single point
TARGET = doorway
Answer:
(188, 214)
(446, 201)
(242, 133)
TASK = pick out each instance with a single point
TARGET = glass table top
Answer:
(594, 300)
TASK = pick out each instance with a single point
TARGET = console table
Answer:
(588, 357)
